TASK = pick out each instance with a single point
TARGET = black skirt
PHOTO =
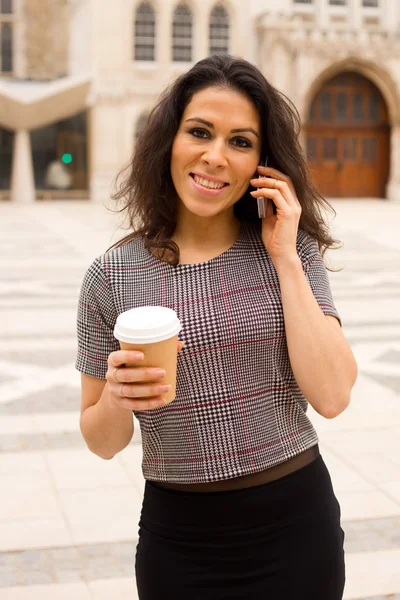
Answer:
(277, 541)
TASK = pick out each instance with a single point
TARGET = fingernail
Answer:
(166, 388)
(160, 373)
(139, 356)
(252, 193)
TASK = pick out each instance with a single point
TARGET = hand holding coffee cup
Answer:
(134, 387)
(151, 332)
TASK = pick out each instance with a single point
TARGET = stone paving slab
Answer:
(88, 562)
(62, 557)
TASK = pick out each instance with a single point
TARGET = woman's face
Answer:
(216, 151)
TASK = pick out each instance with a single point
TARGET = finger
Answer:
(274, 195)
(275, 174)
(275, 184)
(134, 391)
(270, 172)
(122, 357)
(141, 405)
(138, 375)
(181, 344)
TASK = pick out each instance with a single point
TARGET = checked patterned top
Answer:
(238, 407)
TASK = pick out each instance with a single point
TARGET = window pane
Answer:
(357, 106)
(325, 106)
(330, 148)
(219, 31)
(6, 7)
(350, 148)
(6, 48)
(341, 106)
(373, 3)
(182, 34)
(145, 33)
(338, 2)
(369, 150)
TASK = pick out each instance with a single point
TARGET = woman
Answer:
(238, 502)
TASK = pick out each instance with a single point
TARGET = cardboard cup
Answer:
(154, 331)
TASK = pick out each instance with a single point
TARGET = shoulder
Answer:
(307, 246)
(99, 274)
(132, 251)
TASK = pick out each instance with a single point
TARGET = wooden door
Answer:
(348, 138)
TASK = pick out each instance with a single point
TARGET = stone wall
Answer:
(46, 38)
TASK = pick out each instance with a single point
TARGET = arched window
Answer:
(145, 32)
(182, 34)
(6, 36)
(141, 123)
(219, 30)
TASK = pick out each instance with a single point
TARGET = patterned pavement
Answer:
(68, 520)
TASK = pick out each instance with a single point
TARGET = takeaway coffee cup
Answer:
(154, 331)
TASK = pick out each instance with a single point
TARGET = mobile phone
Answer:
(262, 202)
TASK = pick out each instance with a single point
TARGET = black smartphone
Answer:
(262, 202)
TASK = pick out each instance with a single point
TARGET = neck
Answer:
(195, 232)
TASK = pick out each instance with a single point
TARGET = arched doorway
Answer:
(348, 138)
(60, 159)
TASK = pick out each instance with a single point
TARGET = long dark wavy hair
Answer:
(145, 186)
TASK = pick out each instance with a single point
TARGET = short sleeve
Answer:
(317, 274)
(95, 323)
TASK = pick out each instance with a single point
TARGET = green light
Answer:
(66, 159)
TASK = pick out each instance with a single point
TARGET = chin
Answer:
(204, 210)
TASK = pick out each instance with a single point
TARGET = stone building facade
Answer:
(78, 79)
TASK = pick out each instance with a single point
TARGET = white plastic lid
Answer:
(146, 325)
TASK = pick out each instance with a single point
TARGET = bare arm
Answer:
(106, 427)
(321, 358)
(106, 413)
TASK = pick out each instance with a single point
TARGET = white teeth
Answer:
(209, 184)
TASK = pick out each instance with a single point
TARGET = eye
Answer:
(242, 142)
(199, 133)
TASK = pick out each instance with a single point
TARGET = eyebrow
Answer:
(241, 130)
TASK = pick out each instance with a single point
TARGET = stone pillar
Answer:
(106, 148)
(355, 14)
(22, 174)
(393, 187)
(390, 13)
(321, 14)
(164, 34)
(201, 37)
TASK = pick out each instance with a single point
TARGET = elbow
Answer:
(335, 408)
(101, 454)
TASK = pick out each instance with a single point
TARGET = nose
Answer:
(215, 154)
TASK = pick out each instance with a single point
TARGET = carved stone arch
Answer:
(375, 73)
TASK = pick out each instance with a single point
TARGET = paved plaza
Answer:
(68, 520)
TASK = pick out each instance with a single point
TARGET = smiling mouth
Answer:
(210, 185)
